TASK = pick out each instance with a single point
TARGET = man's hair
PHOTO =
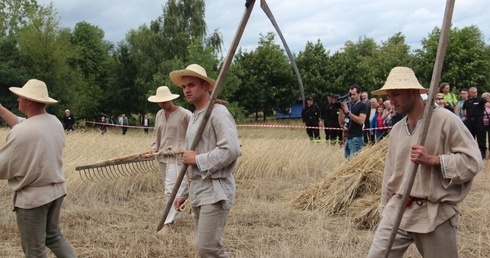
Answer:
(464, 89)
(357, 87)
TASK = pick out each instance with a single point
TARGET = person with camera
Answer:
(353, 119)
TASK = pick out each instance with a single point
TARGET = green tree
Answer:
(465, 63)
(267, 78)
(313, 64)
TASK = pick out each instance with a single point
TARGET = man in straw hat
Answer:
(212, 185)
(31, 161)
(447, 164)
(169, 136)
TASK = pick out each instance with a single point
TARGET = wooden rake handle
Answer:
(214, 95)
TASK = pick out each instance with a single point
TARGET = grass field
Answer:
(117, 217)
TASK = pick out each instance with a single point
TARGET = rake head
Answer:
(116, 168)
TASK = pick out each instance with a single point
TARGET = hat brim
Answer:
(176, 77)
(157, 99)
(385, 91)
(19, 92)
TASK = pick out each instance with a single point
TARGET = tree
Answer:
(465, 63)
(313, 64)
(267, 78)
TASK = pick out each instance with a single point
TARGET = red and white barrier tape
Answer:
(250, 125)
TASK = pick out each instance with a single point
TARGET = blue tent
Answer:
(293, 112)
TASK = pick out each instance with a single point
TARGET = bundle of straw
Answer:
(351, 189)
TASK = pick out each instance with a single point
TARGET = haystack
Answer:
(353, 189)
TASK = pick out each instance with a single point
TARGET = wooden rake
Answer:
(123, 166)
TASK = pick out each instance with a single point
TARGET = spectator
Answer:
(212, 185)
(31, 161)
(473, 109)
(146, 124)
(103, 125)
(458, 109)
(330, 114)
(377, 124)
(442, 103)
(353, 119)
(171, 123)
(123, 121)
(365, 98)
(449, 97)
(447, 165)
(69, 121)
(486, 117)
(311, 118)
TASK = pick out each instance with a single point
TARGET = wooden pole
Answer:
(214, 95)
(436, 76)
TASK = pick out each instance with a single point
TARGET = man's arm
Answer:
(10, 118)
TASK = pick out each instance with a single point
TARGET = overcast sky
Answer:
(333, 22)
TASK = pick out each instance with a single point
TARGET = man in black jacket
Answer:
(311, 118)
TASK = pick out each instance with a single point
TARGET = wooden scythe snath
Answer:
(214, 95)
(267, 10)
(436, 76)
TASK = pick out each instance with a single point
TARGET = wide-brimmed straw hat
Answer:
(163, 95)
(401, 78)
(193, 70)
(34, 90)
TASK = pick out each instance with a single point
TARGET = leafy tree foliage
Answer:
(266, 76)
(465, 63)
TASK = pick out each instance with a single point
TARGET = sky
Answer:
(333, 22)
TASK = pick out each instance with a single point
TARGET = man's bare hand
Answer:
(420, 156)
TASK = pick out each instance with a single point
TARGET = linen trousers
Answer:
(440, 243)
(210, 220)
(169, 173)
(39, 227)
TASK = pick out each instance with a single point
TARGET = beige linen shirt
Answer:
(211, 180)
(443, 187)
(31, 161)
(169, 134)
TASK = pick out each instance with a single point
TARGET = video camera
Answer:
(339, 99)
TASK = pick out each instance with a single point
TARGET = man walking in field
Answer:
(31, 161)
(447, 165)
(212, 185)
(169, 136)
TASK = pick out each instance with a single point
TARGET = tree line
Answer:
(92, 76)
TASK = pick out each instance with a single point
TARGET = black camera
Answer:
(343, 98)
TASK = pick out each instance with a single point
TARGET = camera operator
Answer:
(353, 121)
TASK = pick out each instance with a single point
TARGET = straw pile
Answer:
(353, 189)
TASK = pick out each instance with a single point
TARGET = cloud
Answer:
(333, 22)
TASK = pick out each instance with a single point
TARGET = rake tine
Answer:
(90, 172)
(111, 171)
(141, 166)
(122, 170)
(101, 172)
(80, 175)
(147, 166)
(96, 173)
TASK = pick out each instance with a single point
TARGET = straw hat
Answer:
(163, 95)
(401, 78)
(34, 90)
(193, 70)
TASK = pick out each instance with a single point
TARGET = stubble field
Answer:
(117, 217)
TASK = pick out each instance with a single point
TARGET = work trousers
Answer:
(39, 227)
(210, 220)
(313, 133)
(440, 243)
(169, 173)
(477, 128)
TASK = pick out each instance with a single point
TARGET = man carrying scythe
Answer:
(449, 160)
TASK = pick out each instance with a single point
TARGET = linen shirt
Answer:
(211, 179)
(443, 187)
(169, 134)
(31, 161)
